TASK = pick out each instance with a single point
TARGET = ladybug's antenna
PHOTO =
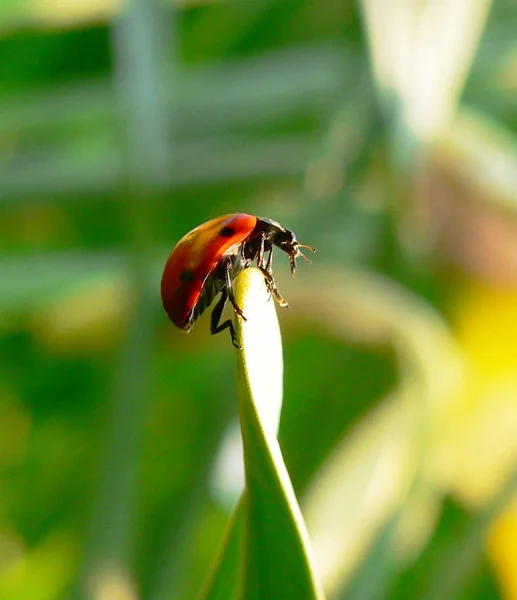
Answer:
(296, 253)
(308, 248)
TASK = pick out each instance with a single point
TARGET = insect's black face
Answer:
(284, 239)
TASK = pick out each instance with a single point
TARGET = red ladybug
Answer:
(207, 260)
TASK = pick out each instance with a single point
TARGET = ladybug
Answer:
(205, 262)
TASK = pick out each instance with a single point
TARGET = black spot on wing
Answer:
(187, 276)
(226, 232)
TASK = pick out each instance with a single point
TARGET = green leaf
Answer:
(276, 558)
(460, 558)
(223, 582)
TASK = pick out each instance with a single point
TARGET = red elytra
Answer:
(207, 260)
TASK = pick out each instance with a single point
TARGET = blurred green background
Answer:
(384, 134)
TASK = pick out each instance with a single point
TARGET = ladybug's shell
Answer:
(193, 260)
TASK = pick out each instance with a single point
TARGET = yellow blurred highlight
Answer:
(487, 328)
(56, 13)
(484, 450)
(12, 551)
(502, 547)
(487, 446)
(114, 584)
(484, 445)
(88, 319)
(41, 574)
(59, 14)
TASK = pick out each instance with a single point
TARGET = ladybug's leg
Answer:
(270, 281)
(260, 256)
(215, 326)
(229, 288)
(268, 271)
(269, 264)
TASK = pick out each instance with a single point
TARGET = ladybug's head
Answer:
(285, 239)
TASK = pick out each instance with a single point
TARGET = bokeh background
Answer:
(384, 134)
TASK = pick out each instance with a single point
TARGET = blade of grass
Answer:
(277, 561)
(461, 558)
(372, 580)
(222, 582)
